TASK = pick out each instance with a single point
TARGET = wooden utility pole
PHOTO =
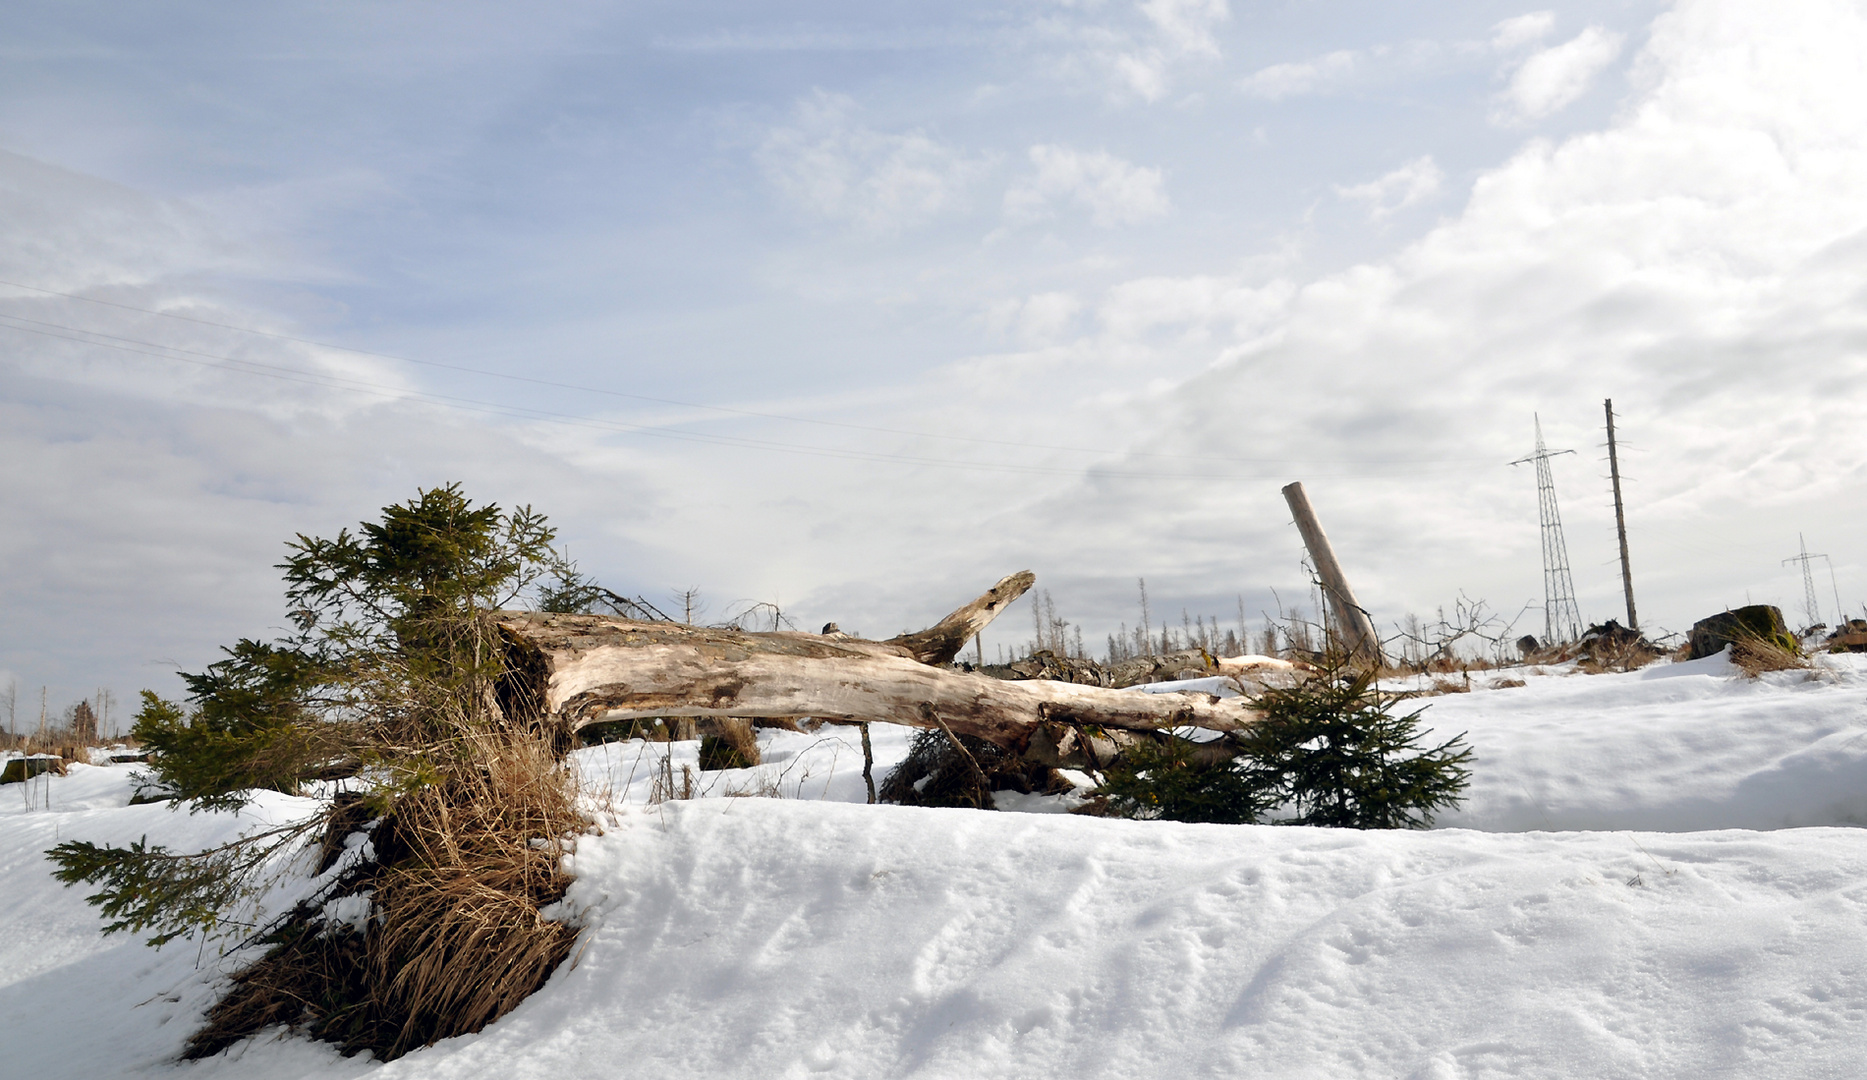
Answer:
(1620, 519)
(1356, 628)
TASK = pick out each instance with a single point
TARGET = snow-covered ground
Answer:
(1676, 916)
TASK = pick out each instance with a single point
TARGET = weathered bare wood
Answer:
(1045, 664)
(1356, 628)
(577, 670)
(941, 642)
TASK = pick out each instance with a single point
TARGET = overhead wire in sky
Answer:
(240, 365)
(724, 409)
(464, 369)
(393, 393)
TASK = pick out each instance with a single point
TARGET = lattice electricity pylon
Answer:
(1562, 622)
(1808, 583)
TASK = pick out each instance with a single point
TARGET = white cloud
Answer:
(1331, 71)
(1413, 182)
(1113, 191)
(122, 250)
(1517, 32)
(1171, 35)
(1307, 77)
(1699, 261)
(1197, 306)
(1551, 80)
(149, 488)
(833, 167)
(1036, 321)
(1186, 26)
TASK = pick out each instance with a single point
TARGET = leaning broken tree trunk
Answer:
(571, 671)
(1356, 628)
(941, 642)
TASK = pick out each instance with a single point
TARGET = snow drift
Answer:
(803, 936)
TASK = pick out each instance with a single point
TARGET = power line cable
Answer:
(274, 371)
(464, 369)
(336, 382)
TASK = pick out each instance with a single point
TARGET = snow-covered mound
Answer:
(1672, 747)
(790, 939)
(803, 935)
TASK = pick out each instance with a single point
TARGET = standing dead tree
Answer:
(1352, 621)
(1445, 643)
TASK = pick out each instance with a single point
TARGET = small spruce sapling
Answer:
(1169, 781)
(1330, 751)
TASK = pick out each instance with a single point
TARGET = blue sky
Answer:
(600, 185)
(858, 307)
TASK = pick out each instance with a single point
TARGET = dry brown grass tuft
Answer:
(731, 744)
(456, 936)
(1755, 655)
(462, 940)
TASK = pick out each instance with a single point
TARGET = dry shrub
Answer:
(464, 941)
(456, 937)
(758, 787)
(938, 773)
(1620, 659)
(1611, 647)
(665, 788)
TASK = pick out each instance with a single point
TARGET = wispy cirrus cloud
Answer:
(1280, 81)
(1554, 78)
(826, 162)
(1112, 191)
(1514, 33)
(1411, 183)
(1181, 30)
(1138, 50)
(1334, 71)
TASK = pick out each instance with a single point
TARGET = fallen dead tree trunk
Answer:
(572, 671)
(1044, 664)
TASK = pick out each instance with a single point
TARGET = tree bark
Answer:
(941, 642)
(1356, 628)
(571, 671)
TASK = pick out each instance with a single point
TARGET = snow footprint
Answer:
(968, 944)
